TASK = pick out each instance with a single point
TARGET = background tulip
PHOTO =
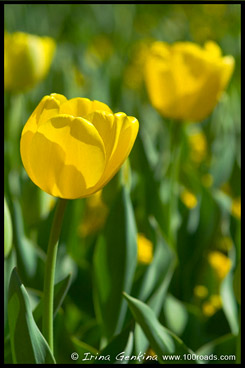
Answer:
(72, 148)
(27, 59)
(185, 81)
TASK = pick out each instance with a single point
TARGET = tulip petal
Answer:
(82, 107)
(66, 156)
(50, 107)
(213, 48)
(126, 132)
(104, 124)
(118, 143)
(30, 129)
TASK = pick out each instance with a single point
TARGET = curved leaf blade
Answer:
(27, 343)
(115, 261)
(122, 342)
(162, 341)
(60, 291)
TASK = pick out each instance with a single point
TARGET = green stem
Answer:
(48, 293)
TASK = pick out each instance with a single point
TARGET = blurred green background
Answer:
(99, 55)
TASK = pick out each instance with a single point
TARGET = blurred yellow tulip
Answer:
(27, 59)
(212, 305)
(72, 148)
(200, 291)
(220, 263)
(185, 81)
(188, 198)
(198, 146)
(236, 208)
(145, 249)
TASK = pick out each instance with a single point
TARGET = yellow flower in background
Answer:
(72, 148)
(95, 215)
(185, 81)
(236, 208)
(211, 306)
(27, 59)
(200, 291)
(198, 146)
(216, 301)
(220, 263)
(208, 309)
(145, 249)
(188, 198)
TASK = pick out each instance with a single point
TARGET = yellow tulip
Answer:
(27, 59)
(208, 309)
(72, 148)
(188, 198)
(185, 81)
(145, 249)
(198, 145)
(200, 291)
(220, 263)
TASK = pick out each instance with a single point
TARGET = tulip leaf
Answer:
(9, 264)
(27, 343)
(155, 282)
(60, 291)
(229, 303)
(159, 272)
(164, 342)
(115, 260)
(8, 230)
(214, 349)
(7, 351)
(84, 351)
(122, 342)
(26, 253)
(150, 185)
(237, 282)
(176, 314)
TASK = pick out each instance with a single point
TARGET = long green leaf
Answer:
(165, 343)
(213, 350)
(9, 264)
(60, 291)
(26, 253)
(158, 270)
(122, 342)
(8, 230)
(115, 260)
(155, 282)
(229, 303)
(27, 343)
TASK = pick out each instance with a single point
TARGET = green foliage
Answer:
(106, 299)
(8, 230)
(27, 343)
(60, 291)
(115, 260)
(163, 341)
